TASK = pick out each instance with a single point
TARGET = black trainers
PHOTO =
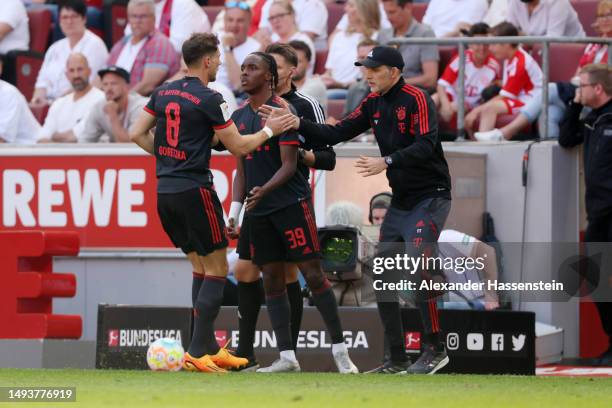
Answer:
(251, 366)
(390, 367)
(429, 362)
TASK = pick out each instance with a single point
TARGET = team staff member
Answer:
(404, 122)
(188, 117)
(320, 157)
(282, 227)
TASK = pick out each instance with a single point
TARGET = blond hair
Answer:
(370, 16)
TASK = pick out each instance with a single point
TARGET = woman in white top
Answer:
(340, 70)
(284, 28)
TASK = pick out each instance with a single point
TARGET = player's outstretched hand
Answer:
(254, 197)
(233, 231)
(370, 166)
(282, 123)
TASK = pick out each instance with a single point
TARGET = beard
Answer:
(299, 75)
(79, 84)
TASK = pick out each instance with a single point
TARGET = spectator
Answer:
(379, 204)
(67, 114)
(146, 53)
(312, 86)
(384, 21)
(340, 69)
(284, 28)
(560, 94)
(457, 245)
(481, 69)
(254, 5)
(17, 123)
(52, 82)
(177, 20)
(360, 89)
(111, 118)
(14, 32)
(420, 61)
(448, 17)
(235, 44)
(594, 130)
(522, 81)
(311, 17)
(552, 18)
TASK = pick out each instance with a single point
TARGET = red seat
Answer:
(215, 3)
(20, 68)
(335, 108)
(320, 59)
(40, 29)
(587, 13)
(563, 60)
(212, 12)
(418, 10)
(40, 113)
(115, 20)
(95, 3)
(335, 12)
(447, 52)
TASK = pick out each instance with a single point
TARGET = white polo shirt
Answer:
(52, 73)
(17, 123)
(14, 14)
(443, 16)
(552, 18)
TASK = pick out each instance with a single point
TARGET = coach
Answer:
(595, 131)
(403, 118)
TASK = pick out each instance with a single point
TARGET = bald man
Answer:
(67, 114)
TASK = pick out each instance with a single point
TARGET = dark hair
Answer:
(78, 6)
(400, 3)
(285, 51)
(198, 46)
(505, 29)
(478, 29)
(380, 200)
(272, 68)
(301, 46)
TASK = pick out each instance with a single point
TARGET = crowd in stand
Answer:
(94, 93)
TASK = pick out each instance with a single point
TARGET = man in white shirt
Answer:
(551, 18)
(178, 19)
(447, 17)
(52, 82)
(67, 114)
(14, 32)
(17, 123)
(110, 119)
(310, 16)
(235, 43)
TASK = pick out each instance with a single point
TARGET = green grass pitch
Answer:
(115, 388)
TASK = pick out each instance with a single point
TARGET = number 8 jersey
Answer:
(188, 113)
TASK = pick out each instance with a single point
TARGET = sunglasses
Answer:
(238, 4)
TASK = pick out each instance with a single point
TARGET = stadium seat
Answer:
(335, 12)
(418, 10)
(215, 3)
(20, 68)
(320, 59)
(40, 113)
(447, 52)
(587, 13)
(40, 29)
(115, 20)
(335, 108)
(563, 60)
(212, 12)
(95, 3)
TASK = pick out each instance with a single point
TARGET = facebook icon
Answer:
(497, 342)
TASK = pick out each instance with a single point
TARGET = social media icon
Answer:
(452, 341)
(497, 342)
(518, 342)
(475, 341)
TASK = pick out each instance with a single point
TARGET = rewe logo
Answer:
(518, 342)
(113, 338)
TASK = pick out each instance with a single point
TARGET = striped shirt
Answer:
(157, 52)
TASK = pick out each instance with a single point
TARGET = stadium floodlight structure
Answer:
(464, 41)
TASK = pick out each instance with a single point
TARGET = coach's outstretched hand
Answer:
(280, 123)
(268, 112)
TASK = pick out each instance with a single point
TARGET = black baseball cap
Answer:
(115, 70)
(382, 55)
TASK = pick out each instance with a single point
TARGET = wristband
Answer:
(235, 209)
(268, 132)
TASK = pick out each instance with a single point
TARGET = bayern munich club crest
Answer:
(401, 113)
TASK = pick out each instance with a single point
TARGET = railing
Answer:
(463, 41)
